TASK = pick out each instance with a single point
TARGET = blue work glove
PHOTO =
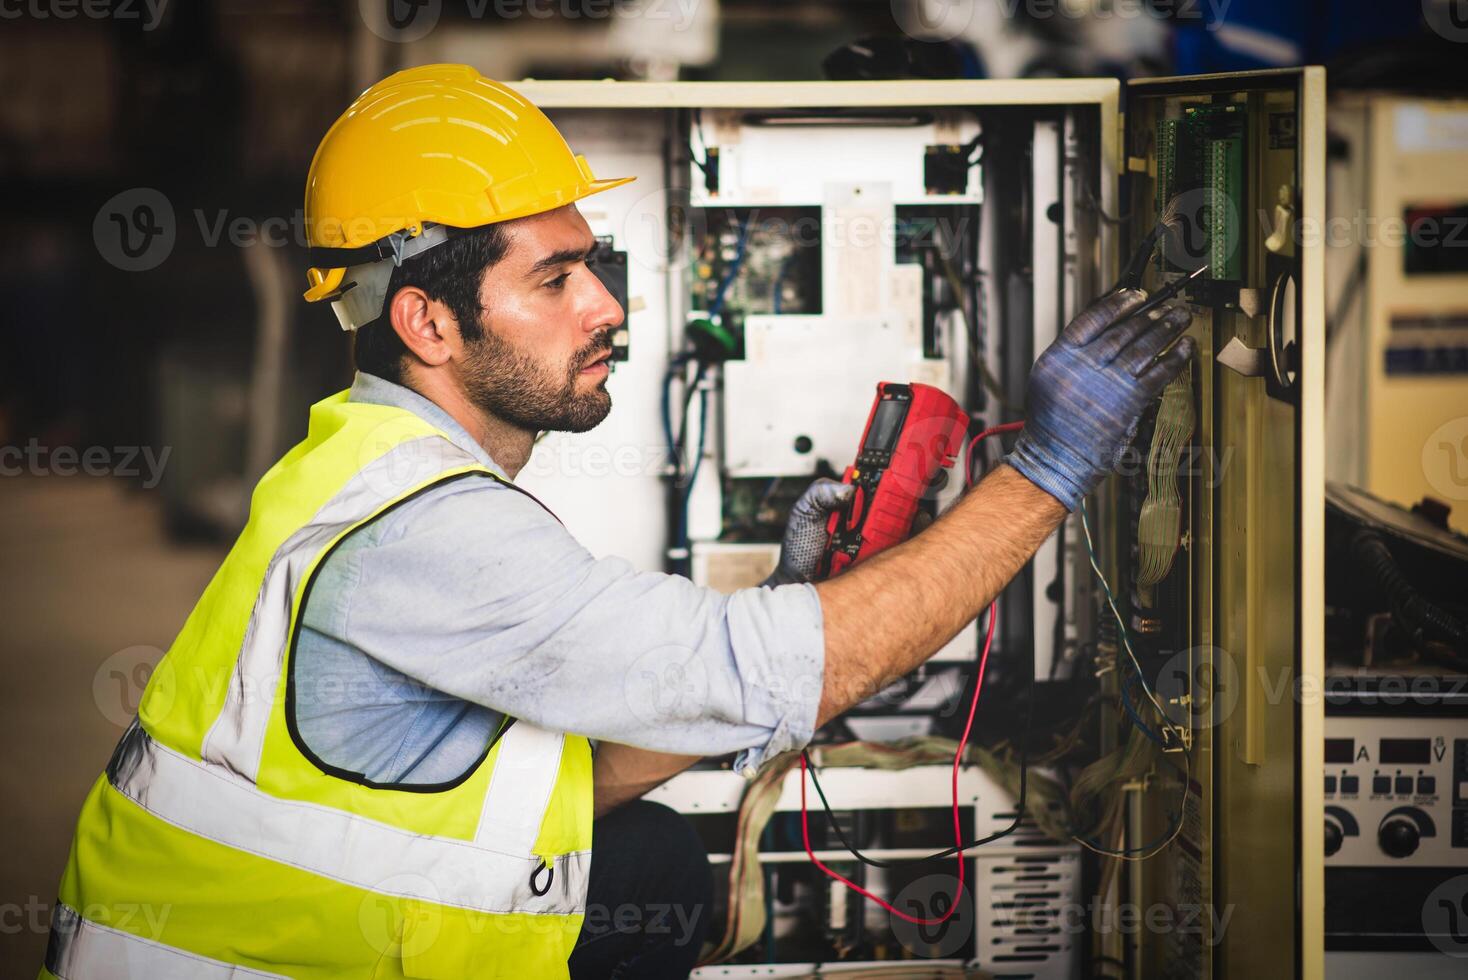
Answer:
(805, 531)
(1088, 389)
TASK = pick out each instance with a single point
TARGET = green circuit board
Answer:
(1200, 162)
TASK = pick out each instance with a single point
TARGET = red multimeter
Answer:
(913, 434)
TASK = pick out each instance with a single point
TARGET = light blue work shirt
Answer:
(470, 602)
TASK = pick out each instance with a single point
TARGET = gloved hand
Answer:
(805, 531)
(1088, 389)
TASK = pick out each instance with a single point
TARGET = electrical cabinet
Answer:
(788, 245)
(1398, 237)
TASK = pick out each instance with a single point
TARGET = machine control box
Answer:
(1396, 791)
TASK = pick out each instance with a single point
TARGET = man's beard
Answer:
(509, 384)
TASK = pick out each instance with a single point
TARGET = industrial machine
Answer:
(790, 246)
(1396, 739)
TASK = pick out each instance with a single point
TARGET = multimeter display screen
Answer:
(886, 424)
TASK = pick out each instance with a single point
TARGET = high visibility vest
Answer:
(216, 846)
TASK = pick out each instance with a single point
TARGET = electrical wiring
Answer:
(1142, 726)
(703, 427)
(957, 827)
(702, 165)
(735, 264)
(1089, 199)
(986, 377)
(1152, 848)
(968, 456)
(1121, 624)
(1155, 847)
(681, 486)
(1019, 806)
(1159, 526)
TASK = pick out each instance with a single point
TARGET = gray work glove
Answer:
(805, 532)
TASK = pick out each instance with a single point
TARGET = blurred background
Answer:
(155, 356)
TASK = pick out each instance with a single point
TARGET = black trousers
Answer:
(649, 900)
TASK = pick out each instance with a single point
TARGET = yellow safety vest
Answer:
(215, 847)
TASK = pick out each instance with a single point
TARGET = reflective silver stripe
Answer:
(238, 735)
(213, 802)
(82, 950)
(520, 788)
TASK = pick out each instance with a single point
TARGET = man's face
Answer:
(547, 322)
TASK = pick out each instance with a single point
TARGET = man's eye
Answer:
(558, 281)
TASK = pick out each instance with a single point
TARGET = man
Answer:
(368, 751)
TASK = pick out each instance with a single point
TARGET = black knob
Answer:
(1398, 836)
(1334, 836)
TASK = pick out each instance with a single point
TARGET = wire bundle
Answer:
(1159, 528)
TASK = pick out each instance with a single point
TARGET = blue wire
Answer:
(718, 303)
(1143, 727)
(685, 492)
(703, 426)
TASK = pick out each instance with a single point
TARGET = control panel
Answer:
(1396, 791)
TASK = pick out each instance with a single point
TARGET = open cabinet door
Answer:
(1225, 578)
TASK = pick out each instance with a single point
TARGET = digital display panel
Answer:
(1405, 751)
(886, 424)
(1340, 750)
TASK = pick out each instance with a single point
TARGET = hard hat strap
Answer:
(397, 247)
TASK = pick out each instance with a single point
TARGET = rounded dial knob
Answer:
(1334, 836)
(1398, 836)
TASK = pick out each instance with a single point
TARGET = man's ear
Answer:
(426, 326)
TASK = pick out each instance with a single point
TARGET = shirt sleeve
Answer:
(476, 590)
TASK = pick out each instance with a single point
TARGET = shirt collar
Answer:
(372, 390)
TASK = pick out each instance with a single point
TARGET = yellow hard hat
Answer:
(417, 156)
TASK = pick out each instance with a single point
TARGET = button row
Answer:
(1383, 785)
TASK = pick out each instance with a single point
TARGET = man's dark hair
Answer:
(452, 274)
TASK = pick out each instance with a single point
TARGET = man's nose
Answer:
(605, 312)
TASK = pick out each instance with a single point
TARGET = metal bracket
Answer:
(1251, 362)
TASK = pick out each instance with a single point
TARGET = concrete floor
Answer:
(91, 592)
